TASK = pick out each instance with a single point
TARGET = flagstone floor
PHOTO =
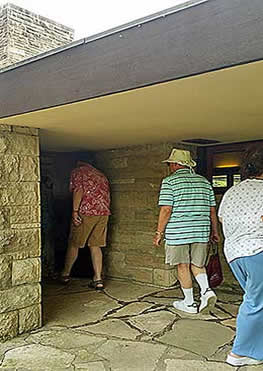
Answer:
(126, 327)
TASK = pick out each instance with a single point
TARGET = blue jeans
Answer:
(249, 336)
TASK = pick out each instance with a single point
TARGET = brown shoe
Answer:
(64, 280)
(96, 284)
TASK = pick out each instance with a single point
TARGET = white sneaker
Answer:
(242, 361)
(208, 301)
(180, 305)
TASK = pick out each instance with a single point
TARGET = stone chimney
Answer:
(24, 34)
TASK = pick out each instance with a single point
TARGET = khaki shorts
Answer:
(193, 253)
(92, 231)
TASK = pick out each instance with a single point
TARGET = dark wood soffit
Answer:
(212, 35)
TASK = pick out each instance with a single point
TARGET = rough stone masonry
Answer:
(20, 293)
(24, 34)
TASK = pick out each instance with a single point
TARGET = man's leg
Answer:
(184, 276)
(96, 257)
(77, 239)
(185, 279)
(199, 253)
(95, 241)
(71, 257)
(201, 277)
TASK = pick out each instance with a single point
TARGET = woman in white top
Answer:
(241, 213)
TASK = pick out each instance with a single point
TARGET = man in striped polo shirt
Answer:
(188, 220)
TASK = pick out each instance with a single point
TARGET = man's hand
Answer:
(157, 238)
(214, 237)
(76, 218)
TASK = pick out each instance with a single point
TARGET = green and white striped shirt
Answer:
(191, 196)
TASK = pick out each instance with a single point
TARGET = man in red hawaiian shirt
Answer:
(90, 214)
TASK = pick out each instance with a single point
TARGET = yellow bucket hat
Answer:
(181, 157)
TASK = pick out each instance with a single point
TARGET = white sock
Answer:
(188, 296)
(202, 281)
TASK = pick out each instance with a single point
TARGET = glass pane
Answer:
(219, 181)
(236, 179)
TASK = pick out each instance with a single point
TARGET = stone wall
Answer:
(3, 37)
(24, 34)
(20, 297)
(135, 175)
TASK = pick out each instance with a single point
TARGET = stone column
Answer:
(20, 294)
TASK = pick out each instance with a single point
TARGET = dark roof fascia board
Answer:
(138, 22)
(210, 36)
(43, 55)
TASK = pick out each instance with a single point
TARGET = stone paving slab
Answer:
(200, 337)
(216, 314)
(65, 339)
(91, 366)
(230, 308)
(177, 353)
(221, 353)
(229, 296)
(113, 328)
(12, 344)
(77, 309)
(170, 293)
(159, 300)
(180, 365)
(230, 323)
(53, 287)
(124, 356)
(38, 357)
(131, 309)
(128, 327)
(153, 323)
(127, 291)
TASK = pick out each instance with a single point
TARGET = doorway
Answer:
(220, 164)
(56, 211)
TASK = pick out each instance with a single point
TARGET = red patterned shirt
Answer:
(96, 190)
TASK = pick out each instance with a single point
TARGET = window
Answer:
(220, 181)
(236, 179)
(224, 178)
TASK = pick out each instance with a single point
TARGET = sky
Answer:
(89, 17)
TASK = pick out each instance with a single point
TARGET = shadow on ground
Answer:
(126, 327)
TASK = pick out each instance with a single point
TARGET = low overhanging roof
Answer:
(192, 73)
(223, 105)
(205, 36)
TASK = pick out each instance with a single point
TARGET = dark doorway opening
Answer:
(56, 211)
